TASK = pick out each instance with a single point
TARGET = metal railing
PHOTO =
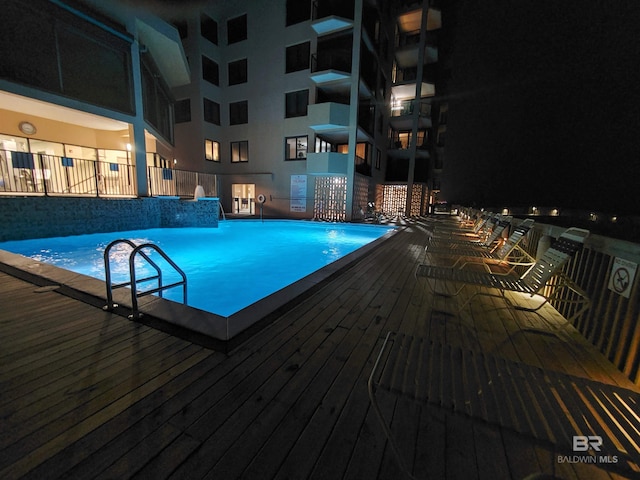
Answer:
(180, 183)
(133, 281)
(612, 323)
(406, 107)
(41, 174)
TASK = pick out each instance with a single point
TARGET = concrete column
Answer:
(354, 101)
(137, 127)
(416, 108)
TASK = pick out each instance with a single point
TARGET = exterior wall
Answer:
(265, 90)
(38, 217)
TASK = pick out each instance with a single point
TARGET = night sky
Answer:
(544, 104)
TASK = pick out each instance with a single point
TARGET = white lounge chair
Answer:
(510, 253)
(533, 282)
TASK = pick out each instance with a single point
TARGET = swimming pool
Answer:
(228, 268)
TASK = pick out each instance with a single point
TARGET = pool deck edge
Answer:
(162, 313)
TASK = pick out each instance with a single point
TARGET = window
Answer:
(209, 28)
(238, 72)
(298, 11)
(239, 151)
(157, 102)
(378, 156)
(183, 29)
(296, 103)
(237, 29)
(212, 150)
(210, 71)
(182, 110)
(211, 111)
(238, 113)
(324, 146)
(298, 57)
(296, 148)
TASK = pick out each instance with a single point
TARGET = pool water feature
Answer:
(228, 268)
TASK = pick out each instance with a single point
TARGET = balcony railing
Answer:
(41, 174)
(180, 183)
(406, 107)
(338, 8)
(331, 60)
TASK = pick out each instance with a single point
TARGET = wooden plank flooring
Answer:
(88, 394)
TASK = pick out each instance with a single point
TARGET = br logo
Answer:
(582, 443)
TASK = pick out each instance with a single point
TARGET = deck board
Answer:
(89, 394)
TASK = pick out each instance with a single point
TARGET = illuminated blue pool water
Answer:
(228, 268)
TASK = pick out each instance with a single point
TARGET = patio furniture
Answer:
(545, 278)
(510, 253)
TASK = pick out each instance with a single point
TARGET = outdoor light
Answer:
(128, 147)
(175, 161)
(555, 212)
(505, 211)
(614, 219)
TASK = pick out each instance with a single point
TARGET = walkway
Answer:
(89, 394)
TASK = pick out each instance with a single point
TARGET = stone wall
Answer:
(37, 217)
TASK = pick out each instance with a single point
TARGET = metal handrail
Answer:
(132, 271)
(107, 269)
(133, 281)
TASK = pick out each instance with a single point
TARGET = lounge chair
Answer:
(510, 253)
(482, 221)
(533, 282)
(491, 235)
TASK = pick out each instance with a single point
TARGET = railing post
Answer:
(95, 178)
(42, 175)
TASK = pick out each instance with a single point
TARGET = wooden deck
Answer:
(89, 394)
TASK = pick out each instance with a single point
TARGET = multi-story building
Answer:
(300, 109)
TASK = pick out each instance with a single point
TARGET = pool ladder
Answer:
(133, 282)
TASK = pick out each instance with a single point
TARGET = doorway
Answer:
(243, 198)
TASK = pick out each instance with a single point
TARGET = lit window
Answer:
(212, 150)
(296, 148)
(240, 151)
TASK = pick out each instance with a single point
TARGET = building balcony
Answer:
(400, 150)
(329, 117)
(331, 67)
(408, 56)
(408, 90)
(331, 16)
(323, 163)
(402, 115)
(331, 24)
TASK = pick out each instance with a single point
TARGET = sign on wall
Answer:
(298, 194)
(622, 275)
